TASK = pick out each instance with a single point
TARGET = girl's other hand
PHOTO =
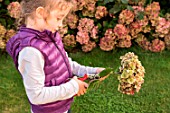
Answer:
(82, 86)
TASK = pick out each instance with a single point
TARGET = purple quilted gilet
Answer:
(57, 69)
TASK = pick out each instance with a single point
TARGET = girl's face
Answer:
(55, 19)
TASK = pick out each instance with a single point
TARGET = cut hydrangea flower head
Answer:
(131, 74)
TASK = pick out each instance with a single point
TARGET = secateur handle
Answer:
(85, 77)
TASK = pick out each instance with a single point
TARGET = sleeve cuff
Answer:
(75, 85)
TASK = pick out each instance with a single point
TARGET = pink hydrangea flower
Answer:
(71, 20)
(10, 33)
(101, 11)
(2, 44)
(139, 2)
(85, 24)
(110, 34)
(89, 46)
(126, 17)
(143, 41)
(69, 40)
(152, 10)
(63, 30)
(167, 16)
(2, 31)
(108, 42)
(163, 27)
(157, 45)
(79, 4)
(167, 41)
(135, 28)
(89, 10)
(82, 37)
(94, 32)
(121, 31)
(124, 43)
(14, 9)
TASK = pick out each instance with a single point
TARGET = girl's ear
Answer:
(40, 11)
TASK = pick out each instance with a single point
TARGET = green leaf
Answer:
(136, 1)
(130, 8)
(3, 21)
(99, 25)
(106, 1)
(105, 24)
(112, 0)
(116, 8)
(7, 2)
(148, 2)
(124, 1)
(140, 15)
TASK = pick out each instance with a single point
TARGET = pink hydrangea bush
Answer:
(85, 25)
(131, 74)
(167, 16)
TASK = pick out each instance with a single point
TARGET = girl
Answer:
(39, 56)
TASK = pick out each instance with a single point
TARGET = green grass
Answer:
(154, 96)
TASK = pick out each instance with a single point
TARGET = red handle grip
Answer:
(83, 78)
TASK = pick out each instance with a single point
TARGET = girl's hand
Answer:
(100, 70)
(82, 86)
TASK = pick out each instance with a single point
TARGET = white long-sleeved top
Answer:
(31, 64)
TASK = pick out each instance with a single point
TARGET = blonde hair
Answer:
(28, 7)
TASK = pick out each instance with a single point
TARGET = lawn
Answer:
(154, 96)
